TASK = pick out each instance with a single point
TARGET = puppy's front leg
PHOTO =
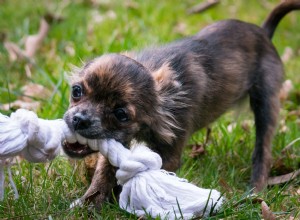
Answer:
(102, 185)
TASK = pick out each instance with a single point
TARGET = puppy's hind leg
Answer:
(265, 104)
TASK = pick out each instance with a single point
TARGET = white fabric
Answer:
(37, 140)
(5, 163)
(146, 188)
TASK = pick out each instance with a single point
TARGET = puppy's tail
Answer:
(277, 14)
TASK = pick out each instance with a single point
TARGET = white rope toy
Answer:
(146, 188)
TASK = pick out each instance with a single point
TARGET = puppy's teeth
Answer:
(70, 136)
(71, 140)
(93, 144)
(81, 140)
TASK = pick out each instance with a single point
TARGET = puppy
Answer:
(163, 95)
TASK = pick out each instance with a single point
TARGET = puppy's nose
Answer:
(81, 121)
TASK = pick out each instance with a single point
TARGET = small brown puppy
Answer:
(162, 95)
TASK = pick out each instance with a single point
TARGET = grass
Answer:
(88, 30)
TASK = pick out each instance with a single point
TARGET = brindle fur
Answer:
(169, 92)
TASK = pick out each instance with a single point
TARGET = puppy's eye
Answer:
(121, 115)
(76, 92)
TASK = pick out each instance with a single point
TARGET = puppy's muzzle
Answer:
(80, 121)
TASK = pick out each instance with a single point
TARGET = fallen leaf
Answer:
(231, 126)
(223, 183)
(280, 168)
(33, 91)
(33, 42)
(52, 18)
(131, 5)
(33, 106)
(180, 28)
(203, 6)
(283, 178)
(287, 54)
(266, 212)
(28, 70)
(283, 128)
(197, 150)
(14, 51)
(30, 93)
(285, 90)
(70, 50)
(247, 125)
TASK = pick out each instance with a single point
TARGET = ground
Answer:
(83, 29)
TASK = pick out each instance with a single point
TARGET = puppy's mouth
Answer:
(81, 147)
(76, 149)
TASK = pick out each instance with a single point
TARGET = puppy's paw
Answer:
(77, 203)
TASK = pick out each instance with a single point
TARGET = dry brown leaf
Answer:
(280, 168)
(197, 150)
(131, 5)
(287, 54)
(266, 212)
(34, 90)
(298, 191)
(247, 125)
(231, 127)
(223, 183)
(286, 88)
(283, 128)
(30, 92)
(203, 6)
(14, 51)
(180, 28)
(33, 42)
(33, 106)
(70, 50)
(52, 18)
(28, 70)
(275, 180)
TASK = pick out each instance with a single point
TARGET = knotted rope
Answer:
(146, 188)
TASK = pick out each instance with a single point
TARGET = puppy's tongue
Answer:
(75, 146)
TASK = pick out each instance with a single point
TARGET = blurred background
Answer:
(42, 40)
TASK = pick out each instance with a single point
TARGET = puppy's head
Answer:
(112, 96)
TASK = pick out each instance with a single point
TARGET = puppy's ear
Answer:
(167, 87)
(163, 77)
